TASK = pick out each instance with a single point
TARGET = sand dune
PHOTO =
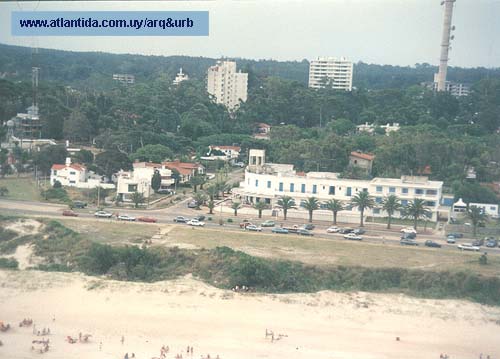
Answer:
(187, 312)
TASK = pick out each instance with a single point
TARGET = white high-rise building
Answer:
(226, 85)
(332, 72)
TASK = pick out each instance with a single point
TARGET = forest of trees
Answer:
(312, 129)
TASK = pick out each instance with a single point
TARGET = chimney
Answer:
(68, 161)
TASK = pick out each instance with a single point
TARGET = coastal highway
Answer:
(375, 233)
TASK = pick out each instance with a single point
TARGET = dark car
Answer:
(304, 232)
(456, 235)
(359, 231)
(308, 226)
(147, 219)
(69, 213)
(478, 242)
(408, 236)
(346, 230)
(180, 219)
(79, 204)
(165, 191)
(199, 218)
(432, 244)
(408, 242)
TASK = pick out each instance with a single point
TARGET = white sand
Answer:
(187, 312)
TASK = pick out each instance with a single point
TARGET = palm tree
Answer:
(416, 210)
(335, 206)
(137, 198)
(286, 203)
(476, 216)
(390, 204)
(260, 206)
(235, 206)
(199, 198)
(211, 206)
(3, 191)
(362, 200)
(212, 191)
(311, 204)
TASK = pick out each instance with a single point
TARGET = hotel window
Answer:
(376, 211)
(281, 187)
(379, 188)
(378, 200)
(315, 188)
(292, 187)
(72, 173)
(303, 188)
(392, 189)
(256, 183)
(348, 191)
(431, 192)
(331, 190)
(419, 191)
(404, 190)
(430, 203)
(268, 184)
(404, 202)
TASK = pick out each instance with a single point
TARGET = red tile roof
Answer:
(234, 148)
(184, 168)
(75, 166)
(364, 156)
(263, 125)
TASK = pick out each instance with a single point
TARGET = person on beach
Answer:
(122, 339)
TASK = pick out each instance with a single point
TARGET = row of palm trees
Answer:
(415, 210)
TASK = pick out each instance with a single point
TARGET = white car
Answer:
(468, 247)
(333, 229)
(253, 228)
(125, 217)
(353, 237)
(195, 223)
(409, 230)
(103, 214)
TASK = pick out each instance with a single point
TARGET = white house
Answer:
(224, 153)
(75, 175)
(139, 180)
(185, 170)
(370, 127)
(268, 182)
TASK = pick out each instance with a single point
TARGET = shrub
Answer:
(9, 263)
(229, 220)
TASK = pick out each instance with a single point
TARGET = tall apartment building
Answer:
(332, 72)
(226, 85)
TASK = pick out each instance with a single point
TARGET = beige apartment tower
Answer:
(331, 72)
(226, 85)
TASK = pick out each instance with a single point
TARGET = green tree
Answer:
(110, 162)
(77, 127)
(49, 155)
(211, 206)
(153, 153)
(260, 206)
(212, 191)
(390, 204)
(416, 210)
(196, 181)
(335, 206)
(235, 206)
(200, 199)
(362, 201)
(4, 191)
(156, 181)
(476, 216)
(286, 203)
(137, 198)
(311, 204)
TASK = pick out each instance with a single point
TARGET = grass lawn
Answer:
(21, 188)
(320, 251)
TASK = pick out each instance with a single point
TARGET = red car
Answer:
(69, 213)
(147, 219)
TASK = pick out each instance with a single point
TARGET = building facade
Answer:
(126, 79)
(269, 182)
(28, 125)
(139, 180)
(75, 175)
(184, 170)
(331, 72)
(227, 86)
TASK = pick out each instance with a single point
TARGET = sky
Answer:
(394, 32)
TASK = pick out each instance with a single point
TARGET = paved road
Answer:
(375, 233)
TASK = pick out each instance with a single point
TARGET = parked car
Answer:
(456, 235)
(468, 247)
(195, 223)
(239, 164)
(279, 230)
(353, 237)
(451, 239)
(308, 226)
(333, 229)
(69, 213)
(192, 204)
(359, 231)
(433, 244)
(199, 218)
(147, 219)
(245, 223)
(408, 242)
(492, 243)
(304, 232)
(409, 230)
(181, 219)
(253, 228)
(79, 204)
(125, 217)
(408, 236)
(103, 214)
(478, 242)
(268, 223)
(346, 230)
(165, 191)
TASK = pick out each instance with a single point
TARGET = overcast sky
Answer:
(396, 32)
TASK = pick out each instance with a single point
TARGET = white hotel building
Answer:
(332, 72)
(226, 85)
(268, 182)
